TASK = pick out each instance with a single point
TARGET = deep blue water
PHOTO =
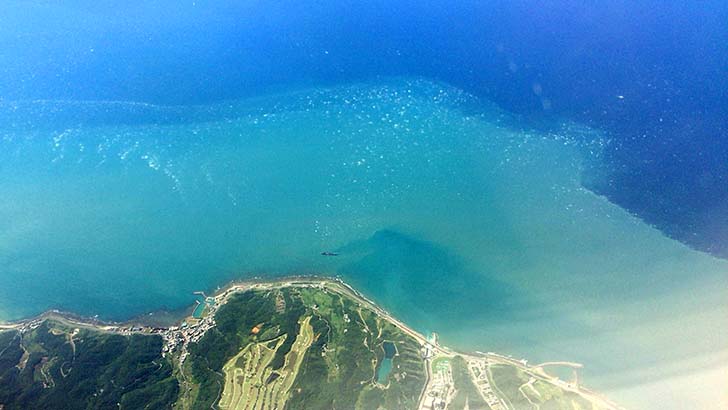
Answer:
(653, 73)
(455, 155)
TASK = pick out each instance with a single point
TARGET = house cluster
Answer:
(479, 373)
(441, 389)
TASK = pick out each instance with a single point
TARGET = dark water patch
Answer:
(424, 282)
(385, 366)
(273, 376)
(389, 350)
(644, 71)
(680, 187)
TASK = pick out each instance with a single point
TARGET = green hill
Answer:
(301, 344)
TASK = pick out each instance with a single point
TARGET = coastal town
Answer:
(440, 386)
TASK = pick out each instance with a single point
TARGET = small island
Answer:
(292, 343)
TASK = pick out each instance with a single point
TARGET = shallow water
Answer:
(440, 207)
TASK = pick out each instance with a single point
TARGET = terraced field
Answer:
(276, 346)
(301, 348)
(250, 382)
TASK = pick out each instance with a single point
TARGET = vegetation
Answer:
(56, 367)
(340, 371)
(234, 331)
(251, 381)
(336, 368)
(526, 393)
(281, 348)
(466, 391)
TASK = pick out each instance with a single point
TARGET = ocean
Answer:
(546, 181)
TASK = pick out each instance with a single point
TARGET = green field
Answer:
(514, 385)
(326, 355)
(292, 348)
(250, 382)
(58, 367)
(466, 391)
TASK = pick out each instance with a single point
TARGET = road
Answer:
(338, 286)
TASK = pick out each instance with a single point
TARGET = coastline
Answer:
(328, 283)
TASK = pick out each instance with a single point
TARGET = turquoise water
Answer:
(199, 310)
(442, 209)
(204, 303)
(385, 367)
(383, 371)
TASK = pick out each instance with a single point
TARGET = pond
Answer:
(386, 366)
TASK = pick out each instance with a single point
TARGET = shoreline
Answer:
(176, 315)
(326, 283)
